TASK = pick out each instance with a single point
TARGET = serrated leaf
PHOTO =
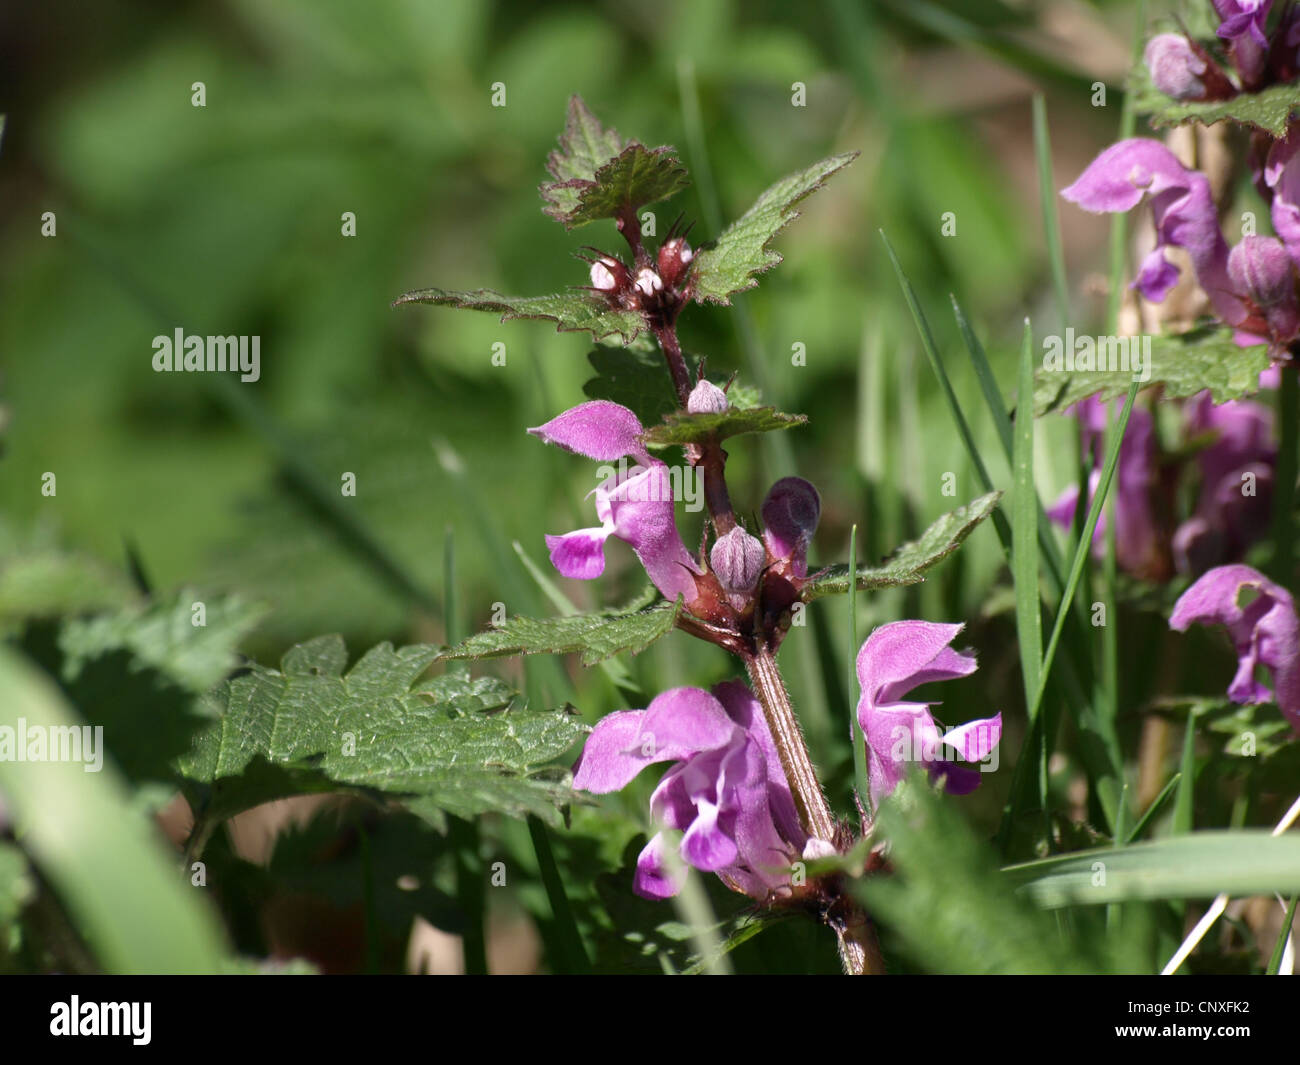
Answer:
(597, 175)
(1185, 365)
(596, 636)
(573, 312)
(46, 581)
(728, 265)
(163, 636)
(682, 428)
(908, 564)
(1269, 110)
(457, 744)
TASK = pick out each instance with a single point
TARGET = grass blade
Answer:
(1275, 962)
(1024, 533)
(1047, 198)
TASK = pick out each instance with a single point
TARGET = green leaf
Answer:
(107, 863)
(573, 312)
(1184, 365)
(682, 428)
(950, 906)
(149, 656)
(40, 580)
(598, 176)
(638, 379)
(449, 743)
(597, 636)
(1188, 866)
(908, 564)
(728, 265)
(164, 636)
(1269, 110)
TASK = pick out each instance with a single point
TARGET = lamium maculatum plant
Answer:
(741, 797)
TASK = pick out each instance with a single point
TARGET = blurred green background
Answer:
(225, 219)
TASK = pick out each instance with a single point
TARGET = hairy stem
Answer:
(806, 788)
(672, 349)
(859, 949)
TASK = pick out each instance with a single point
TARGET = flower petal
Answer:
(613, 754)
(579, 555)
(601, 430)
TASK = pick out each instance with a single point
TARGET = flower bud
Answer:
(675, 256)
(737, 559)
(1175, 67)
(608, 275)
(648, 282)
(1260, 268)
(790, 515)
(706, 398)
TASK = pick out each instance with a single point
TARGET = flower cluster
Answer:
(636, 505)
(1233, 455)
(727, 790)
(1251, 59)
(1251, 286)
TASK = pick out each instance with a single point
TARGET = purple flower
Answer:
(1185, 217)
(726, 793)
(636, 505)
(790, 515)
(1242, 26)
(1264, 631)
(1260, 271)
(1176, 67)
(1138, 544)
(895, 659)
(1236, 482)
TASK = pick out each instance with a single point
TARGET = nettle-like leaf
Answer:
(573, 312)
(908, 564)
(682, 428)
(598, 175)
(450, 743)
(1269, 110)
(728, 264)
(150, 655)
(190, 639)
(1184, 365)
(596, 636)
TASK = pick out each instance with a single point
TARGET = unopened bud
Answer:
(706, 398)
(648, 282)
(737, 559)
(675, 256)
(1176, 69)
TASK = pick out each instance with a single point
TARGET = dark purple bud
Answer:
(706, 398)
(790, 515)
